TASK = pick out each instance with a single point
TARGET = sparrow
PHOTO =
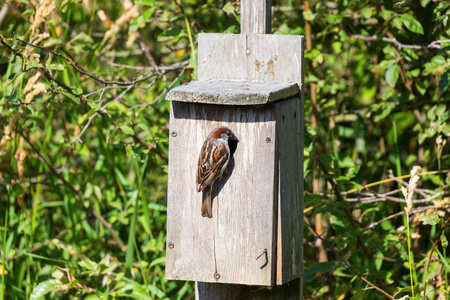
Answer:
(215, 155)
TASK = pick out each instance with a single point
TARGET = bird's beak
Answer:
(234, 138)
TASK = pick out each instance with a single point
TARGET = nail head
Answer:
(268, 140)
(247, 52)
(174, 133)
(217, 275)
(171, 245)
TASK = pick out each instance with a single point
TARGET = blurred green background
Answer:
(84, 142)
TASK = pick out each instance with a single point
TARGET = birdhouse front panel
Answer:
(236, 245)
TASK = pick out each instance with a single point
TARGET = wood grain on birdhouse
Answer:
(251, 57)
(224, 248)
(255, 234)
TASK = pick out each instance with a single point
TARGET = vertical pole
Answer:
(256, 16)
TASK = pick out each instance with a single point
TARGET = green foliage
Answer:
(312, 271)
(83, 155)
(84, 146)
(382, 98)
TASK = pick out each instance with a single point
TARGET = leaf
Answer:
(444, 82)
(44, 288)
(386, 14)
(170, 33)
(229, 8)
(391, 75)
(230, 29)
(82, 118)
(441, 6)
(135, 23)
(441, 109)
(156, 206)
(72, 97)
(58, 274)
(130, 152)
(431, 219)
(158, 261)
(145, 2)
(421, 138)
(309, 16)
(325, 158)
(58, 67)
(34, 64)
(337, 47)
(421, 88)
(174, 31)
(82, 38)
(424, 2)
(444, 241)
(159, 294)
(438, 59)
(366, 12)
(334, 18)
(138, 21)
(127, 130)
(88, 264)
(313, 199)
(314, 55)
(310, 272)
(411, 23)
(446, 129)
(402, 3)
(134, 290)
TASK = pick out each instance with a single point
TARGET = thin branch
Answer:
(401, 213)
(101, 95)
(96, 78)
(101, 110)
(163, 92)
(147, 53)
(375, 197)
(406, 184)
(148, 86)
(395, 42)
(18, 103)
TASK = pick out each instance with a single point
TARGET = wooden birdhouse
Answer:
(253, 84)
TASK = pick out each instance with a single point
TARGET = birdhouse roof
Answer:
(233, 92)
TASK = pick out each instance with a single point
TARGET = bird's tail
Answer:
(206, 203)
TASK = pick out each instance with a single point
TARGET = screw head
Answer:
(217, 276)
(268, 140)
(171, 245)
(247, 52)
(174, 133)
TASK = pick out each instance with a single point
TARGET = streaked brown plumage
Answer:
(215, 155)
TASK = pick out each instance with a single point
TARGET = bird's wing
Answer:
(210, 164)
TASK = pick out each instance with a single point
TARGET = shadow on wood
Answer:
(218, 186)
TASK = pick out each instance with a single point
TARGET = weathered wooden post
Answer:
(252, 246)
